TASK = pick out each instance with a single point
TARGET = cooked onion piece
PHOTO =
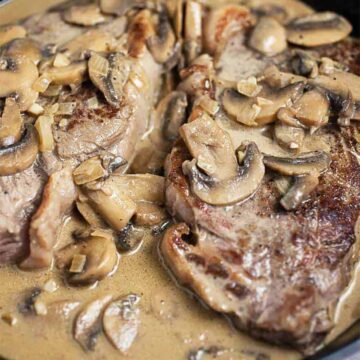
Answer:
(89, 170)
(11, 124)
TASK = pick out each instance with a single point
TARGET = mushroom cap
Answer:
(21, 155)
(318, 29)
(268, 37)
(17, 77)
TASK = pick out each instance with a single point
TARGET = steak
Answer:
(277, 274)
(104, 130)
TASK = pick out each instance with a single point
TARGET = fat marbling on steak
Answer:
(277, 274)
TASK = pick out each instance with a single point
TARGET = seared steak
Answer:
(277, 274)
(93, 128)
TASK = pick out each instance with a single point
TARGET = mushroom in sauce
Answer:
(20, 155)
(87, 15)
(268, 37)
(221, 181)
(17, 75)
(121, 322)
(318, 29)
(110, 75)
(252, 112)
(89, 260)
(306, 163)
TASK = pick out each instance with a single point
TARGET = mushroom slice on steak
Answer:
(307, 163)
(21, 155)
(11, 32)
(11, 124)
(110, 75)
(26, 48)
(289, 137)
(17, 75)
(121, 322)
(299, 191)
(222, 181)
(100, 258)
(341, 87)
(119, 7)
(193, 30)
(87, 15)
(318, 29)
(268, 37)
(162, 45)
(254, 111)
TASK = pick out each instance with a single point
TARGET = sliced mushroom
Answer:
(26, 48)
(87, 15)
(318, 29)
(224, 22)
(139, 187)
(222, 181)
(121, 322)
(312, 109)
(211, 147)
(130, 240)
(162, 45)
(21, 155)
(268, 37)
(11, 32)
(193, 30)
(304, 164)
(92, 40)
(119, 7)
(228, 191)
(89, 215)
(149, 214)
(11, 124)
(72, 74)
(289, 137)
(110, 75)
(171, 114)
(341, 87)
(140, 30)
(251, 112)
(100, 258)
(88, 323)
(115, 207)
(282, 10)
(304, 64)
(299, 191)
(17, 75)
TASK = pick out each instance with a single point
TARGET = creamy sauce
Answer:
(172, 322)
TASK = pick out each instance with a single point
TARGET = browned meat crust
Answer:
(277, 274)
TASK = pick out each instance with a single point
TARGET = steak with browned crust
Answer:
(277, 274)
